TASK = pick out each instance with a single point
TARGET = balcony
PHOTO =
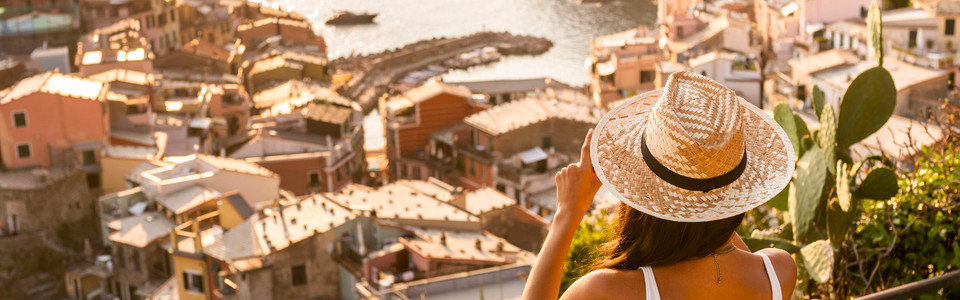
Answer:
(925, 57)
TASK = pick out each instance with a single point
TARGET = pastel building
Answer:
(53, 120)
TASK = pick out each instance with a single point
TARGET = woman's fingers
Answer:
(585, 150)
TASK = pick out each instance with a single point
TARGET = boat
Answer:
(348, 18)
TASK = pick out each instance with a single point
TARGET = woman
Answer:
(686, 163)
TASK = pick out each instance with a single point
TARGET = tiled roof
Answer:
(187, 198)
(123, 75)
(297, 93)
(272, 63)
(334, 114)
(237, 243)
(462, 246)
(133, 152)
(824, 60)
(141, 230)
(57, 84)
(236, 165)
(293, 223)
(401, 202)
(517, 114)
(486, 199)
(428, 90)
(432, 187)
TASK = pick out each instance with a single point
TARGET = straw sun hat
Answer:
(691, 152)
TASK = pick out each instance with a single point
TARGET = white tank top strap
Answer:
(772, 274)
(650, 284)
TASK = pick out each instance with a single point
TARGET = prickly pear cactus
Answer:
(880, 184)
(818, 260)
(811, 174)
(843, 186)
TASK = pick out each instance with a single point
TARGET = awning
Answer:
(533, 155)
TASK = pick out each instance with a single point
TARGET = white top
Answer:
(653, 293)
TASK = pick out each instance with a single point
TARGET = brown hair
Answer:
(640, 240)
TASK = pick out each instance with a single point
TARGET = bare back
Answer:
(743, 276)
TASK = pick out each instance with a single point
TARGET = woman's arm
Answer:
(576, 186)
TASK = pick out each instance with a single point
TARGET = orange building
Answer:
(410, 119)
(52, 120)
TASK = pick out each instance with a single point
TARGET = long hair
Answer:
(640, 240)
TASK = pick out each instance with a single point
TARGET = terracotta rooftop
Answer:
(56, 84)
(273, 63)
(428, 90)
(517, 114)
(334, 114)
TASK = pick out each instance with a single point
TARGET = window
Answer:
(192, 281)
(403, 171)
(23, 150)
(950, 26)
(299, 276)
(19, 119)
(546, 143)
(339, 175)
(313, 178)
(473, 171)
(912, 41)
(646, 76)
(89, 157)
(416, 172)
(135, 260)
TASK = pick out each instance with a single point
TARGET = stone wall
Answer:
(46, 207)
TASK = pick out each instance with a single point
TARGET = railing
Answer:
(914, 289)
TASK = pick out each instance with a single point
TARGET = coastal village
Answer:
(212, 149)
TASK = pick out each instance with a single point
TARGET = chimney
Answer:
(443, 239)
(479, 245)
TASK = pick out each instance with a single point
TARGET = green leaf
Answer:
(867, 105)
(784, 116)
(780, 200)
(757, 244)
(818, 260)
(817, 101)
(880, 184)
(810, 179)
(828, 138)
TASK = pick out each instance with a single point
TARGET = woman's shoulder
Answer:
(604, 284)
(781, 260)
(784, 266)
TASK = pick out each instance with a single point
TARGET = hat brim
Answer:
(768, 171)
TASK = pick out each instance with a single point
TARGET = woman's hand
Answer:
(576, 186)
